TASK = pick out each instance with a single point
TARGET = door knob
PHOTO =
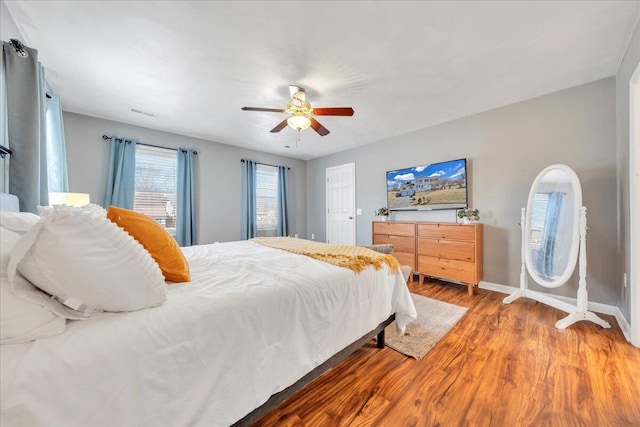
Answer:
(350, 217)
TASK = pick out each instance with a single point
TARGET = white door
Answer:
(634, 205)
(341, 203)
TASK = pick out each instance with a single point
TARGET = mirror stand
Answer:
(576, 313)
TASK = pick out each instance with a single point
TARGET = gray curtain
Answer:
(186, 212)
(283, 201)
(121, 184)
(4, 130)
(28, 178)
(248, 217)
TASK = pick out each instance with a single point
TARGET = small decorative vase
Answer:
(384, 218)
(466, 220)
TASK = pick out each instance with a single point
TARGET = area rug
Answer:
(435, 319)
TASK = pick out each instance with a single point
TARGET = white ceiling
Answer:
(402, 66)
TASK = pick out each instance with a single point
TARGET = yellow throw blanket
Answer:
(351, 257)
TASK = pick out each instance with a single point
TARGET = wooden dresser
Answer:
(402, 235)
(450, 251)
(444, 250)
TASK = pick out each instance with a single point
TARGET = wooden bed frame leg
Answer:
(380, 339)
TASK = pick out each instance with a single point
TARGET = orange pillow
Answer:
(156, 240)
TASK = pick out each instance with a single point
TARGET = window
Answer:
(56, 151)
(156, 173)
(267, 197)
(538, 216)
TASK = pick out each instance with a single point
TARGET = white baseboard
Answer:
(495, 287)
(593, 306)
(624, 324)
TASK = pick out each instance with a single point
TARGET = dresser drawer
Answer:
(400, 243)
(399, 229)
(447, 249)
(447, 231)
(406, 259)
(447, 268)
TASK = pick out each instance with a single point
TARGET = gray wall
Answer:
(505, 148)
(626, 70)
(217, 169)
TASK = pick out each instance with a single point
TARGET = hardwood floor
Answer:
(501, 365)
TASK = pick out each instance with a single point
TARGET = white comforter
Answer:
(252, 321)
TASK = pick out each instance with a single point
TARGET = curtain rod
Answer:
(267, 164)
(19, 47)
(4, 151)
(106, 138)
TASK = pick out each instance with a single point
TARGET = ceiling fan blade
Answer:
(281, 125)
(333, 111)
(322, 131)
(271, 110)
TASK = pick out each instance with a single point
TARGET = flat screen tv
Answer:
(437, 186)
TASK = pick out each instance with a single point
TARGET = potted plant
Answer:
(469, 215)
(383, 213)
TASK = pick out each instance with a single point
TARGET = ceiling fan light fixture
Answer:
(299, 122)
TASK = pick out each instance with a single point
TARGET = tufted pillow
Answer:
(20, 320)
(86, 263)
(156, 239)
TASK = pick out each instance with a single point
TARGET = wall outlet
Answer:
(313, 236)
(295, 235)
(624, 280)
(358, 211)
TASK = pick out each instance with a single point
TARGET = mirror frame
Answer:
(575, 242)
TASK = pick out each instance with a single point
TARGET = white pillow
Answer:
(86, 263)
(18, 221)
(20, 320)
(12, 226)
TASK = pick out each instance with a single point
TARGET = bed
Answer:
(253, 324)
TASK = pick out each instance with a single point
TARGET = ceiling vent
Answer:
(144, 113)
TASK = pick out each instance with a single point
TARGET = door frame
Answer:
(634, 205)
(326, 200)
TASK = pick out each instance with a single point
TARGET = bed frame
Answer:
(277, 398)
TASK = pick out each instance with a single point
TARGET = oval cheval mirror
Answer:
(554, 227)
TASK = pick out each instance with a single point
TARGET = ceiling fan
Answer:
(301, 113)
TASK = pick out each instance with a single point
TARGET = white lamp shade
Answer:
(299, 122)
(69, 199)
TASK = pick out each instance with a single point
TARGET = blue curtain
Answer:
(56, 148)
(283, 201)
(249, 226)
(185, 211)
(121, 184)
(549, 234)
(28, 178)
